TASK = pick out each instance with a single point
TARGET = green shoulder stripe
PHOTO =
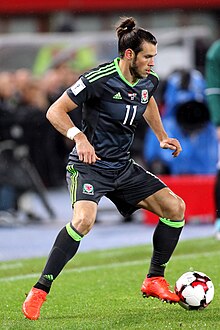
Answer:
(103, 75)
(96, 74)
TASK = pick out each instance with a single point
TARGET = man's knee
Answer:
(176, 208)
(84, 216)
(83, 224)
(181, 208)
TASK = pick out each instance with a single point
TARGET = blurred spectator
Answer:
(183, 86)
(7, 98)
(24, 100)
(7, 91)
(213, 97)
(21, 78)
(186, 116)
(56, 80)
(192, 127)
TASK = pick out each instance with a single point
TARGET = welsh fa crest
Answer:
(144, 96)
(88, 189)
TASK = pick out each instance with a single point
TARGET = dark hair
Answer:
(130, 36)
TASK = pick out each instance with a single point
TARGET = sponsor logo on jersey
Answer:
(132, 96)
(117, 96)
(88, 189)
(144, 96)
(78, 87)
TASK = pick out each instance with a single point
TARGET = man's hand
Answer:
(172, 144)
(85, 150)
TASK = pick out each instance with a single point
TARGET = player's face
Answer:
(142, 62)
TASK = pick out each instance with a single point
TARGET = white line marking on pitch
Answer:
(112, 265)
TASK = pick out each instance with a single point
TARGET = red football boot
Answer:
(32, 304)
(159, 288)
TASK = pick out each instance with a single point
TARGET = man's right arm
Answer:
(58, 116)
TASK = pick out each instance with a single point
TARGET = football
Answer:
(195, 289)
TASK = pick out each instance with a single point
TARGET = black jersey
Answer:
(111, 109)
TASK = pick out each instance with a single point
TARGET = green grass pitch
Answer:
(101, 290)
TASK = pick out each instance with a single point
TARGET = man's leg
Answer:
(166, 236)
(165, 239)
(63, 250)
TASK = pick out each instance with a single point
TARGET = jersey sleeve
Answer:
(155, 80)
(81, 91)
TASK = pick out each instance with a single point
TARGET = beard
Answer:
(134, 70)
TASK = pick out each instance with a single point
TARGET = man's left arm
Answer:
(153, 118)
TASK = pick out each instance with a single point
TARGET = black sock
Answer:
(64, 248)
(165, 239)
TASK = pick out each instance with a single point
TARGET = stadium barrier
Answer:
(198, 193)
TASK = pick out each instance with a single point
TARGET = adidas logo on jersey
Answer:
(117, 96)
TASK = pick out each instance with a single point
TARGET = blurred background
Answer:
(45, 45)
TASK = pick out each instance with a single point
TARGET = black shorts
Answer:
(125, 187)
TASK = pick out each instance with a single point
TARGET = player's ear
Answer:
(129, 53)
